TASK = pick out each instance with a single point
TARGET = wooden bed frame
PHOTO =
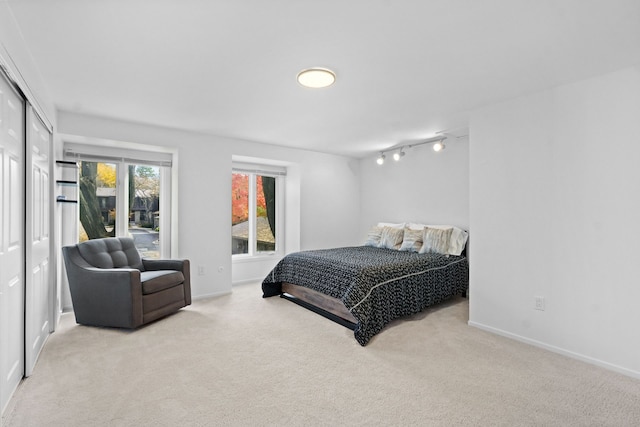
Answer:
(325, 305)
(329, 307)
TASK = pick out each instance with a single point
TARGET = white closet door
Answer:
(11, 241)
(39, 284)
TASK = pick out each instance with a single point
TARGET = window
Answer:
(124, 197)
(256, 210)
(97, 200)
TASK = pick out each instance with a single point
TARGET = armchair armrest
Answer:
(165, 264)
(102, 296)
(182, 265)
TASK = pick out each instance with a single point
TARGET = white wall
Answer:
(15, 55)
(322, 195)
(424, 186)
(555, 196)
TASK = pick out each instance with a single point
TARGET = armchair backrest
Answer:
(111, 252)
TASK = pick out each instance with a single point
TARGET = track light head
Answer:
(381, 158)
(438, 146)
(397, 156)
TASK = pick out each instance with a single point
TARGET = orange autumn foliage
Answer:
(240, 198)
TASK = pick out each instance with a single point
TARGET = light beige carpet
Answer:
(244, 360)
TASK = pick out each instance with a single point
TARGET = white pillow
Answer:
(373, 236)
(436, 240)
(391, 238)
(412, 240)
(458, 236)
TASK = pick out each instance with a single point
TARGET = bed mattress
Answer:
(376, 285)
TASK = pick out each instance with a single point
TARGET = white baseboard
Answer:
(244, 282)
(564, 352)
(211, 295)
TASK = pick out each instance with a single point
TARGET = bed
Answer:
(367, 287)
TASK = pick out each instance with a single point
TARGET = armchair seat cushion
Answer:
(159, 280)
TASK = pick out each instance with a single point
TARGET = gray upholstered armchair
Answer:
(112, 286)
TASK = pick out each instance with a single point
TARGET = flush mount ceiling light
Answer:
(316, 77)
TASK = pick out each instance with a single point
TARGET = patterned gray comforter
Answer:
(376, 285)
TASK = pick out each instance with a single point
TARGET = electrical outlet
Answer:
(200, 270)
(539, 303)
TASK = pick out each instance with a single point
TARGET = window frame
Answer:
(122, 158)
(253, 171)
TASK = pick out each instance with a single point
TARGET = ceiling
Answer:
(405, 69)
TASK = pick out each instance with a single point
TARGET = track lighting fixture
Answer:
(437, 147)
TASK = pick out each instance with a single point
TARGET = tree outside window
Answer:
(253, 204)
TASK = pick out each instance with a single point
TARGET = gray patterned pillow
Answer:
(412, 240)
(391, 238)
(373, 237)
(436, 240)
